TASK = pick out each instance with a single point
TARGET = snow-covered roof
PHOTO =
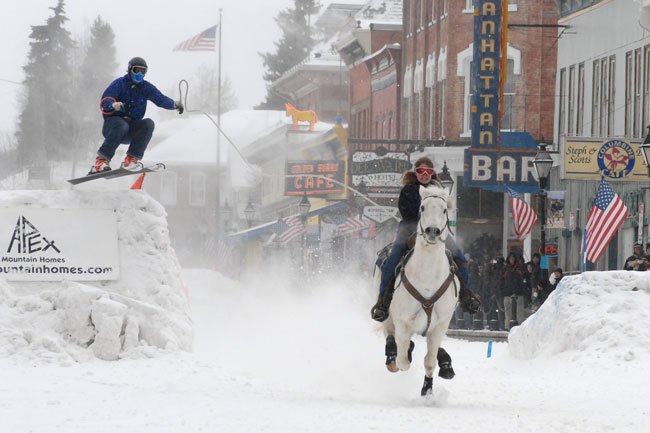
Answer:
(192, 139)
(380, 12)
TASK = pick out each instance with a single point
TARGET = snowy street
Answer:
(275, 360)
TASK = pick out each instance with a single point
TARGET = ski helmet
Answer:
(137, 61)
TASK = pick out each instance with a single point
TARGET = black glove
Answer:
(178, 105)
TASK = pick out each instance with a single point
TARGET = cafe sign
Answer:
(314, 177)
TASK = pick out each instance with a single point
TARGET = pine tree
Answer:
(96, 72)
(204, 97)
(45, 123)
(294, 46)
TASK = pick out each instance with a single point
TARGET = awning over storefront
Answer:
(255, 233)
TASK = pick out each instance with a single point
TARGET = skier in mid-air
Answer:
(123, 105)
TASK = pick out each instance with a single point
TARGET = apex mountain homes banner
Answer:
(39, 244)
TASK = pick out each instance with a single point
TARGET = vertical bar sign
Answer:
(486, 74)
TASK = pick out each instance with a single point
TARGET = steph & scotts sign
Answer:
(612, 158)
(51, 245)
(303, 180)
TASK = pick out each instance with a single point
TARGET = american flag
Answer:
(289, 228)
(352, 224)
(204, 41)
(522, 215)
(606, 216)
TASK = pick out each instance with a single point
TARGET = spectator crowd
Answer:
(510, 291)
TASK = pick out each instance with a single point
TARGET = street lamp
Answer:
(445, 178)
(249, 213)
(303, 207)
(543, 164)
(645, 150)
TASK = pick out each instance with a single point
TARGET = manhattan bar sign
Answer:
(486, 74)
(494, 160)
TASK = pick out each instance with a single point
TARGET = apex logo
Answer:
(28, 240)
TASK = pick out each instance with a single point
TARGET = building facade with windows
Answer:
(603, 89)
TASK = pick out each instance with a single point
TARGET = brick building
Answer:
(437, 51)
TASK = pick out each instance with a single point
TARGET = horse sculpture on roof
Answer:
(426, 290)
(301, 116)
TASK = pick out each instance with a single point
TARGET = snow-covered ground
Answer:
(268, 357)
(168, 350)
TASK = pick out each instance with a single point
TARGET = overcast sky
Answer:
(151, 29)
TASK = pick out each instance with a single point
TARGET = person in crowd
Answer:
(636, 261)
(645, 266)
(528, 283)
(513, 290)
(123, 105)
(483, 287)
(536, 282)
(495, 305)
(554, 279)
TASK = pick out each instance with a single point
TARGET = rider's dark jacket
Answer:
(409, 201)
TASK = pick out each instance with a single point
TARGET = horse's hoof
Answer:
(392, 367)
(427, 387)
(446, 372)
(403, 365)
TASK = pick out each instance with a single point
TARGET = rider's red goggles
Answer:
(423, 170)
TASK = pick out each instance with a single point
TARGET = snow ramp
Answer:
(141, 308)
(596, 315)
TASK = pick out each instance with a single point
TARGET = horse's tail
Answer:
(315, 117)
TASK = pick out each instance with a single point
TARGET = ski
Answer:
(118, 172)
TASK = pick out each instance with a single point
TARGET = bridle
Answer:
(420, 231)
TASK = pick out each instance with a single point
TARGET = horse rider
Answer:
(422, 174)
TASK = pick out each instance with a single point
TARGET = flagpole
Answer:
(218, 183)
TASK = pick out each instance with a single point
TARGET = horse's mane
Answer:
(435, 189)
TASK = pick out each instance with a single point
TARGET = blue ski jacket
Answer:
(134, 96)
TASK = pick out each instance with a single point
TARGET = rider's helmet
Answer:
(137, 69)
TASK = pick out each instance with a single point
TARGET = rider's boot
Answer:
(469, 301)
(379, 311)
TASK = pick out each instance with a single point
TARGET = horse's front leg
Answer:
(434, 339)
(403, 340)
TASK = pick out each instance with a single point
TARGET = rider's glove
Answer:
(178, 105)
(118, 106)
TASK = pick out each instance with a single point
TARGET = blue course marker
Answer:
(489, 354)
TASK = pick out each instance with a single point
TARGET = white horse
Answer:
(426, 291)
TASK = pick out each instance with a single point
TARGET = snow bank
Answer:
(146, 310)
(592, 315)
